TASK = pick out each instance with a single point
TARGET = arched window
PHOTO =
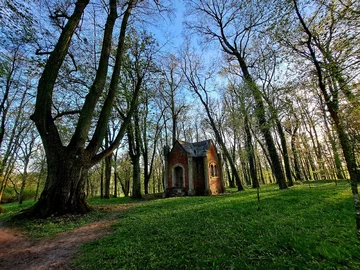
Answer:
(213, 170)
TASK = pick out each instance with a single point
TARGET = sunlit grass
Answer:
(299, 228)
(304, 227)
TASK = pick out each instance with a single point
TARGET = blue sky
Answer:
(170, 30)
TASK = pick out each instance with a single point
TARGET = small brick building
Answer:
(193, 169)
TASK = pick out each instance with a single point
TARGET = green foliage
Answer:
(11, 196)
(299, 228)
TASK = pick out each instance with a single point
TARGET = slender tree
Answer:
(235, 25)
(172, 91)
(330, 96)
(191, 68)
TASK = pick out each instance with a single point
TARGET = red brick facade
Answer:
(206, 177)
(177, 156)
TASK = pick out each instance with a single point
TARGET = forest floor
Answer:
(19, 251)
(308, 226)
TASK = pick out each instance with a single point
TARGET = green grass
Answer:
(308, 226)
(40, 228)
(299, 228)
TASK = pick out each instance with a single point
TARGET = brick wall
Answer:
(177, 156)
(215, 182)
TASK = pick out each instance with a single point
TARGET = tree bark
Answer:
(134, 152)
(136, 189)
(264, 125)
(64, 191)
(115, 178)
(107, 177)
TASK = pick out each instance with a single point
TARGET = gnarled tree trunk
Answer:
(64, 191)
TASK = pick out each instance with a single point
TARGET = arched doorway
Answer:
(178, 176)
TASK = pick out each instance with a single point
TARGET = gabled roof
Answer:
(197, 149)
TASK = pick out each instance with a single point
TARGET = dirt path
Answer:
(18, 252)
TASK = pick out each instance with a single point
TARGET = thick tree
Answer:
(68, 164)
(134, 141)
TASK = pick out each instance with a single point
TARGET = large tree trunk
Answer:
(64, 191)
(147, 170)
(68, 166)
(146, 183)
(115, 176)
(134, 152)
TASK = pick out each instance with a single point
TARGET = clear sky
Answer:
(169, 31)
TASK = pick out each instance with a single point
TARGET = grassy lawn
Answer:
(39, 228)
(304, 227)
(299, 228)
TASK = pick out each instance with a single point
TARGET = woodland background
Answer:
(243, 73)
